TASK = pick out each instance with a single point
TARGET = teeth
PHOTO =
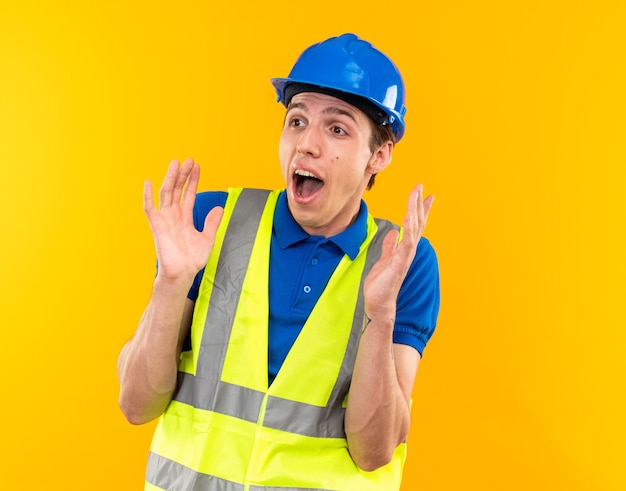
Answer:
(305, 173)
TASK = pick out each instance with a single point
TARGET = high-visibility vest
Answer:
(225, 429)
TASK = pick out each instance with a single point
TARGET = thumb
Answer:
(212, 221)
(390, 242)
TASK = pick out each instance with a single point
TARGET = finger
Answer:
(181, 180)
(212, 221)
(189, 194)
(148, 202)
(420, 209)
(423, 206)
(412, 218)
(390, 242)
(165, 193)
(148, 199)
(402, 252)
(428, 203)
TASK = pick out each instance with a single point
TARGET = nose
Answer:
(309, 142)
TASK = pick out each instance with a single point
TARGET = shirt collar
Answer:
(288, 232)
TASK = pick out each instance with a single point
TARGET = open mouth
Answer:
(307, 184)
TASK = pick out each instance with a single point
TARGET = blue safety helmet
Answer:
(353, 70)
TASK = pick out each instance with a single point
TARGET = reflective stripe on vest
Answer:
(176, 476)
(223, 401)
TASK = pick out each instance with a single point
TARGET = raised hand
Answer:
(181, 250)
(383, 282)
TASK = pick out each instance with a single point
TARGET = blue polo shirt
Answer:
(301, 265)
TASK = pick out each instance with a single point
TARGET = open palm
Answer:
(181, 250)
(384, 280)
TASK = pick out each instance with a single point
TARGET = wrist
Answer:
(381, 314)
(384, 321)
(172, 286)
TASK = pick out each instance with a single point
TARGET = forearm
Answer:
(148, 363)
(378, 413)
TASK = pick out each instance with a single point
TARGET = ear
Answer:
(381, 158)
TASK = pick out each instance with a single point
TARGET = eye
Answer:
(295, 122)
(338, 130)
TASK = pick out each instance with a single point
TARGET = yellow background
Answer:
(516, 122)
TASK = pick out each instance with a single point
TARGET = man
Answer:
(285, 328)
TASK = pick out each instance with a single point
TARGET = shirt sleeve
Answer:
(418, 300)
(205, 202)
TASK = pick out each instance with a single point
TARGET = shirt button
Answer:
(314, 261)
(307, 289)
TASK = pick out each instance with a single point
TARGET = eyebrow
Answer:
(329, 110)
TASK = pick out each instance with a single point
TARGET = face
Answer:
(327, 161)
